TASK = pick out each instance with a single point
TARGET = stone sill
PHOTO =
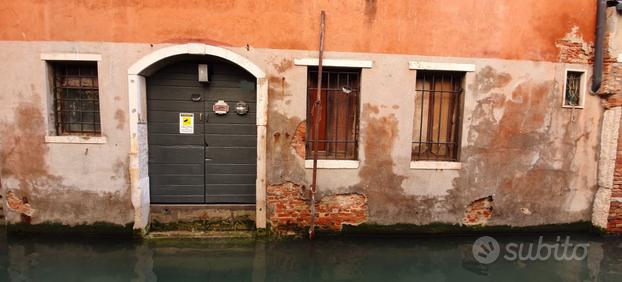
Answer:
(435, 165)
(72, 139)
(339, 164)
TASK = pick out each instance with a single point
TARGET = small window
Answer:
(573, 89)
(437, 120)
(339, 116)
(76, 98)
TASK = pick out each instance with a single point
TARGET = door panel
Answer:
(216, 164)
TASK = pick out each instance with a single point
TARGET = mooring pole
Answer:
(316, 115)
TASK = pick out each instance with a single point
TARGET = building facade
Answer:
(474, 113)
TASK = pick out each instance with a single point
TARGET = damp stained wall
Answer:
(518, 144)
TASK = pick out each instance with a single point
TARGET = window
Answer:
(573, 89)
(339, 116)
(76, 98)
(437, 120)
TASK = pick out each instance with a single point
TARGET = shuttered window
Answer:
(339, 116)
(437, 120)
(76, 98)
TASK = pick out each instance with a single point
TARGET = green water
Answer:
(345, 259)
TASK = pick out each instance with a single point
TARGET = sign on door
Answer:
(186, 123)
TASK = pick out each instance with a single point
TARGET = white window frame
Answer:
(363, 64)
(344, 63)
(582, 88)
(440, 66)
(50, 58)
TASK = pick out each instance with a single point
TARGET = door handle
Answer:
(201, 116)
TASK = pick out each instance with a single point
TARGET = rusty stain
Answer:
(370, 11)
(277, 136)
(119, 115)
(282, 158)
(283, 65)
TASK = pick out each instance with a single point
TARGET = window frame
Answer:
(582, 88)
(52, 136)
(467, 69)
(453, 133)
(329, 161)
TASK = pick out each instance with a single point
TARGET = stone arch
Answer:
(137, 93)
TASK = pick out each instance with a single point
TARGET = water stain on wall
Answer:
(516, 157)
(23, 161)
(119, 115)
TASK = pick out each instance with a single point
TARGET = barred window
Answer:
(573, 89)
(76, 98)
(437, 120)
(339, 116)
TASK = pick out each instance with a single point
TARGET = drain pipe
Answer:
(316, 116)
(601, 18)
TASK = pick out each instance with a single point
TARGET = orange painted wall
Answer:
(512, 29)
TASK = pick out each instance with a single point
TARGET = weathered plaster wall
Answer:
(492, 29)
(63, 183)
(536, 159)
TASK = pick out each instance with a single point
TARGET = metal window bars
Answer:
(573, 87)
(437, 119)
(76, 98)
(339, 124)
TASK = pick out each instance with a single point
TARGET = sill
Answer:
(435, 165)
(73, 139)
(575, 107)
(340, 164)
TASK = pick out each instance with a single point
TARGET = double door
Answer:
(197, 155)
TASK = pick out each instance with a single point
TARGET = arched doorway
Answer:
(139, 123)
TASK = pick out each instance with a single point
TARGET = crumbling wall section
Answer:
(290, 211)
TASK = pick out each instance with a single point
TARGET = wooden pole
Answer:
(316, 116)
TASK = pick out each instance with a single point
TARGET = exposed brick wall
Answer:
(290, 214)
(478, 212)
(573, 49)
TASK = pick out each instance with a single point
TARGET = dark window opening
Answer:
(76, 98)
(338, 127)
(437, 120)
(572, 97)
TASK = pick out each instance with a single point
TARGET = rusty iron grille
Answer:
(573, 86)
(338, 127)
(76, 98)
(437, 119)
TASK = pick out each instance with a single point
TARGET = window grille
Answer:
(339, 124)
(76, 98)
(437, 119)
(573, 89)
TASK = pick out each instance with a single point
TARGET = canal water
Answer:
(344, 259)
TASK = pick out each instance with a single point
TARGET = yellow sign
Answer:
(186, 123)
